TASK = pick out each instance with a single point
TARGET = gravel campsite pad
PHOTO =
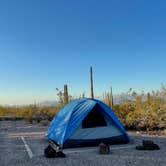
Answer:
(23, 144)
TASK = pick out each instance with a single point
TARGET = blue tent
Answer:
(86, 122)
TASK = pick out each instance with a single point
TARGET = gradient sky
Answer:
(47, 43)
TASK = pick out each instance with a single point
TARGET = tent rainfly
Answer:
(86, 122)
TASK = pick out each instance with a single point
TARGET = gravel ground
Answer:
(13, 150)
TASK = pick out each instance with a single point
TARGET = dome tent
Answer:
(86, 122)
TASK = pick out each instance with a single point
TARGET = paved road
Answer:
(22, 144)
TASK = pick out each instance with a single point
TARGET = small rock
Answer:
(104, 148)
(49, 152)
(44, 122)
(148, 145)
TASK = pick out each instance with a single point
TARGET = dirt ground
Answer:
(23, 144)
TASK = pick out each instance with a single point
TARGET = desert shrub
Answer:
(30, 113)
(45, 113)
(2, 111)
(143, 111)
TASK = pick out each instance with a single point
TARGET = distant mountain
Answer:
(117, 99)
(43, 103)
(47, 103)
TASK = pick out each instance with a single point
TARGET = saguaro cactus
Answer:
(112, 100)
(108, 98)
(91, 83)
(66, 97)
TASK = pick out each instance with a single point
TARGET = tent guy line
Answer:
(27, 148)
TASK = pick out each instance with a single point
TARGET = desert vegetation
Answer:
(137, 111)
(142, 111)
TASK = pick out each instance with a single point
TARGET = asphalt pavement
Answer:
(22, 144)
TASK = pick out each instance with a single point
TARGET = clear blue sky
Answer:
(46, 43)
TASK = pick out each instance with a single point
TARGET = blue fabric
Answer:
(70, 117)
